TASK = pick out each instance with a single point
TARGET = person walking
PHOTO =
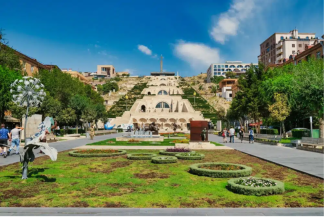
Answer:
(224, 135)
(251, 135)
(92, 132)
(4, 137)
(232, 135)
(14, 136)
(241, 134)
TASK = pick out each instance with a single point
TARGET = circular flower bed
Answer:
(174, 151)
(164, 160)
(221, 170)
(96, 153)
(190, 156)
(255, 186)
(141, 156)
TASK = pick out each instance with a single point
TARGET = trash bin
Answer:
(315, 133)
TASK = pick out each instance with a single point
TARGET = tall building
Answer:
(220, 69)
(279, 46)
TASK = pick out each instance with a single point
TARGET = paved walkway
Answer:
(18, 211)
(60, 146)
(143, 147)
(305, 161)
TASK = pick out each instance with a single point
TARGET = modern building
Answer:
(220, 69)
(226, 87)
(105, 71)
(279, 46)
(316, 50)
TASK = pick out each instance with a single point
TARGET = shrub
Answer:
(141, 156)
(190, 156)
(164, 160)
(300, 133)
(96, 153)
(270, 131)
(173, 151)
(242, 172)
(119, 130)
(255, 186)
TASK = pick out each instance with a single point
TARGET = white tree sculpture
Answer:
(28, 92)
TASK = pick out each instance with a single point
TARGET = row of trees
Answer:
(285, 95)
(67, 99)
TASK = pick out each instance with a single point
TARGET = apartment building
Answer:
(279, 46)
(105, 71)
(227, 86)
(220, 69)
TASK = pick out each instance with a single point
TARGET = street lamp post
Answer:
(28, 92)
(194, 96)
(126, 97)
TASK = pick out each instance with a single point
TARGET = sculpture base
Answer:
(195, 145)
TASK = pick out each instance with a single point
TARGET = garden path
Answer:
(304, 161)
(141, 147)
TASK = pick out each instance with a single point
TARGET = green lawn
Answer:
(288, 140)
(175, 135)
(119, 182)
(166, 142)
(216, 144)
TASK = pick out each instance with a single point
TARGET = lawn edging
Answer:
(197, 157)
(147, 156)
(195, 169)
(164, 160)
(256, 191)
(164, 152)
(75, 154)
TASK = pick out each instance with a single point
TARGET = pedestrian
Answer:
(241, 134)
(92, 132)
(4, 137)
(224, 135)
(251, 135)
(14, 136)
(232, 134)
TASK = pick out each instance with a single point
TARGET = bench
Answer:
(50, 137)
(312, 142)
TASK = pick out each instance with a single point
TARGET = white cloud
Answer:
(102, 53)
(144, 49)
(228, 23)
(131, 71)
(97, 46)
(154, 56)
(198, 55)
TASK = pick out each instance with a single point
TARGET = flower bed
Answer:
(180, 141)
(141, 156)
(255, 186)
(96, 153)
(190, 156)
(200, 169)
(174, 151)
(164, 160)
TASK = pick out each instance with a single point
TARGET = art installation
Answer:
(145, 132)
(28, 154)
(29, 92)
(108, 126)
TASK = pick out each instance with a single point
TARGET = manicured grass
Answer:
(288, 140)
(216, 144)
(166, 142)
(118, 182)
(176, 135)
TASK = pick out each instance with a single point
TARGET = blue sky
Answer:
(131, 35)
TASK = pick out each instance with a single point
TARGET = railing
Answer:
(279, 51)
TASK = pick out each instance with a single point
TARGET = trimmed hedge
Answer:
(270, 131)
(136, 157)
(300, 133)
(164, 152)
(164, 160)
(195, 169)
(257, 191)
(74, 154)
(196, 156)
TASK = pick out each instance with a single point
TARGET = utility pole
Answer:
(311, 126)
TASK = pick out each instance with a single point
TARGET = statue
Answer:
(153, 128)
(203, 134)
(28, 154)
(174, 127)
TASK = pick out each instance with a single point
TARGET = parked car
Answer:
(289, 133)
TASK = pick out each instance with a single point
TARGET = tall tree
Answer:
(8, 57)
(78, 103)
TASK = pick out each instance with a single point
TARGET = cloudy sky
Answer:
(131, 35)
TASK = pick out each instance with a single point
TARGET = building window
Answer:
(300, 45)
(247, 66)
(32, 68)
(282, 37)
(162, 105)
(24, 65)
(222, 66)
(293, 52)
(223, 73)
(215, 66)
(232, 66)
(215, 70)
(293, 45)
(298, 37)
(222, 70)
(219, 69)
(239, 66)
(318, 55)
(104, 69)
(162, 92)
(226, 66)
(219, 73)
(307, 37)
(291, 37)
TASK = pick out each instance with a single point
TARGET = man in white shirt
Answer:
(14, 136)
(232, 135)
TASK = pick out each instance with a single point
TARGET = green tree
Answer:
(50, 107)
(78, 103)
(101, 114)
(66, 116)
(110, 86)
(230, 74)
(8, 57)
(280, 109)
(89, 114)
(217, 79)
(20, 112)
(7, 77)
(214, 89)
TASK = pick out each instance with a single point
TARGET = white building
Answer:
(220, 69)
(280, 46)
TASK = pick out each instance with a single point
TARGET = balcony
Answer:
(279, 44)
(279, 51)
(279, 58)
